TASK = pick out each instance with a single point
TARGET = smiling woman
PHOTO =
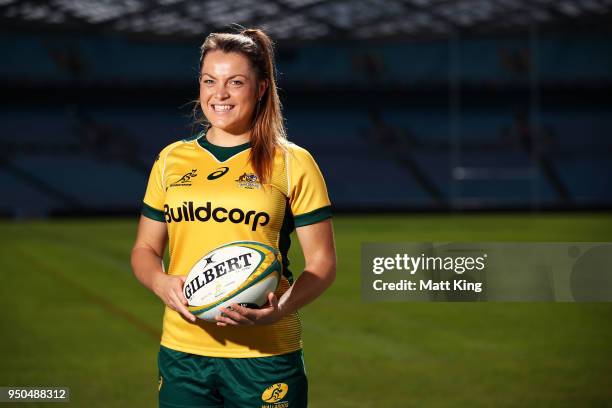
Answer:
(237, 180)
(229, 93)
(238, 95)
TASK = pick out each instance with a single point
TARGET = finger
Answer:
(226, 320)
(181, 297)
(179, 289)
(244, 311)
(175, 304)
(179, 307)
(174, 300)
(187, 314)
(182, 303)
(235, 315)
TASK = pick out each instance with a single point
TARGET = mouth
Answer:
(219, 108)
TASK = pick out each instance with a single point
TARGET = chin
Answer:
(232, 127)
(222, 125)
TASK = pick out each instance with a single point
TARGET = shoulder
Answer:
(296, 153)
(168, 148)
(187, 142)
(300, 164)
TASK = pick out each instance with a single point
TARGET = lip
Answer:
(212, 106)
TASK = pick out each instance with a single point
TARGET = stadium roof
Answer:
(300, 19)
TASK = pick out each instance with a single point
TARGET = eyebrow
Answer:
(233, 76)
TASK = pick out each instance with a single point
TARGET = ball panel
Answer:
(256, 294)
(266, 265)
(213, 269)
(238, 284)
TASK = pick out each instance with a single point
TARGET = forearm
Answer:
(147, 267)
(307, 287)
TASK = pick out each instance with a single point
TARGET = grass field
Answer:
(72, 314)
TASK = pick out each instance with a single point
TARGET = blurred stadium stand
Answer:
(426, 105)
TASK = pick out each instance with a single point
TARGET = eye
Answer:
(207, 81)
(236, 82)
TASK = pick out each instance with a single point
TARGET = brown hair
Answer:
(268, 129)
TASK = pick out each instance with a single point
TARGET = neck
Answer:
(222, 138)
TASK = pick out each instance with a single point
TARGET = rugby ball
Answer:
(242, 272)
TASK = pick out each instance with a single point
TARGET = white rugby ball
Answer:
(242, 272)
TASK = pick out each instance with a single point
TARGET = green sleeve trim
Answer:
(152, 213)
(313, 217)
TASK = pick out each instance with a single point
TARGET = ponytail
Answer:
(268, 131)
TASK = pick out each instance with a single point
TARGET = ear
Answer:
(263, 86)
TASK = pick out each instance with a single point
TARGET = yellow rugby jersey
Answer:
(208, 196)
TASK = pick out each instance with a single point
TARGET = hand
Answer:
(169, 289)
(237, 315)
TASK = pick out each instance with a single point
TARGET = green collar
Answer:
(222, 153)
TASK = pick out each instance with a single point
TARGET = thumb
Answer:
(273, 300)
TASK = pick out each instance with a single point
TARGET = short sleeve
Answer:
(308, 196)
(153, 202)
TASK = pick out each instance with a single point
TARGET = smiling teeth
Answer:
(222, 108)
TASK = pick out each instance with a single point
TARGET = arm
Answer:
(317, 243)
(148, 266)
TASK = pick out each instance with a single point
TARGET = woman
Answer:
(249, 357)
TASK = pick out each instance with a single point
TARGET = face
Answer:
(229, 90)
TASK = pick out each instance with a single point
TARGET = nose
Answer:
(221, 91)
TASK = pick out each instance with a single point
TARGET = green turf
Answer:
(73, 315)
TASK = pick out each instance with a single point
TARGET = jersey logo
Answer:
(184, 181)
(188, 212)
(218, 173)
(249, 181)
